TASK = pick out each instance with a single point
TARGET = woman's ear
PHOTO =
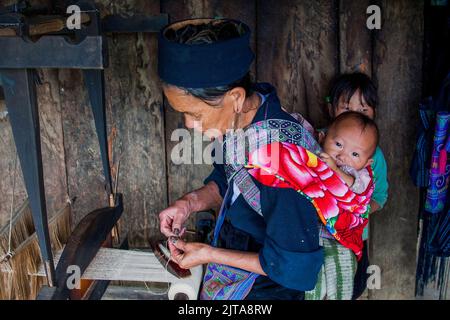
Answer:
(237, 96)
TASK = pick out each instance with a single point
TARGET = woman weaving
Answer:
(266, 241)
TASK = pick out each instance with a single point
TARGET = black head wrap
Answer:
(204, 65)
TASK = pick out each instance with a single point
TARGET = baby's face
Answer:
(350, 146)
(356, 103)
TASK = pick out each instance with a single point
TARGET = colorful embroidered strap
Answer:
(221, 217)
(222, 282)
(238, 145)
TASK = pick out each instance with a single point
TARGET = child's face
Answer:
(356, 103)
(350, 146)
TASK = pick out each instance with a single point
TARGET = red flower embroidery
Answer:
(286, 165)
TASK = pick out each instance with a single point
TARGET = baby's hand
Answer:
(328, 160)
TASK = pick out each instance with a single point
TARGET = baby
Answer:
(349, 146)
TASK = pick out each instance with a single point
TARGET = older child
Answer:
(351, 92)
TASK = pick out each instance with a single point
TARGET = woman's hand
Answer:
(188, 255)
(173, 218)
(192, 254)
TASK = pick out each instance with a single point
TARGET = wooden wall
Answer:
(300, 46)
(397, 71)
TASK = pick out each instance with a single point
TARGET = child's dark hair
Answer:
(347, 84)
(363, 122)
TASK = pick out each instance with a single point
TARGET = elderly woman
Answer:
(266, 243)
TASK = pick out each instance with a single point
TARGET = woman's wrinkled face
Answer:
(356, 103)
(198, 115)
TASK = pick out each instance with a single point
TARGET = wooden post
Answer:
(298, 53)
(135, 129)
(355, 39)
(398, 73)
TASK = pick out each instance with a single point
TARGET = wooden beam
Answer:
(398, 74)
(135, 293)
(135, 129)
(45, 26)
(355, 39)
(298, 53)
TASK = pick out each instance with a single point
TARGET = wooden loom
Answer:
(112, 264)
(90, 247)
(23, 275)
(89, 52)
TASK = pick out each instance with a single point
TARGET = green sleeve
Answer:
(379, 169)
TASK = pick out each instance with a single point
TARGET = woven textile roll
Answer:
(188, 286)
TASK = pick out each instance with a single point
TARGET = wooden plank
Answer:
(52, 144)
(136, 123)
(355, 40)
(83, 164)
(297, 53)
(55, 24)
(99, 287)
(52, 141)
(398, 73)
(136, 293)
(135, 129)
(187, 177)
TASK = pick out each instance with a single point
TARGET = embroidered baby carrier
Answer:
(281, 153)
